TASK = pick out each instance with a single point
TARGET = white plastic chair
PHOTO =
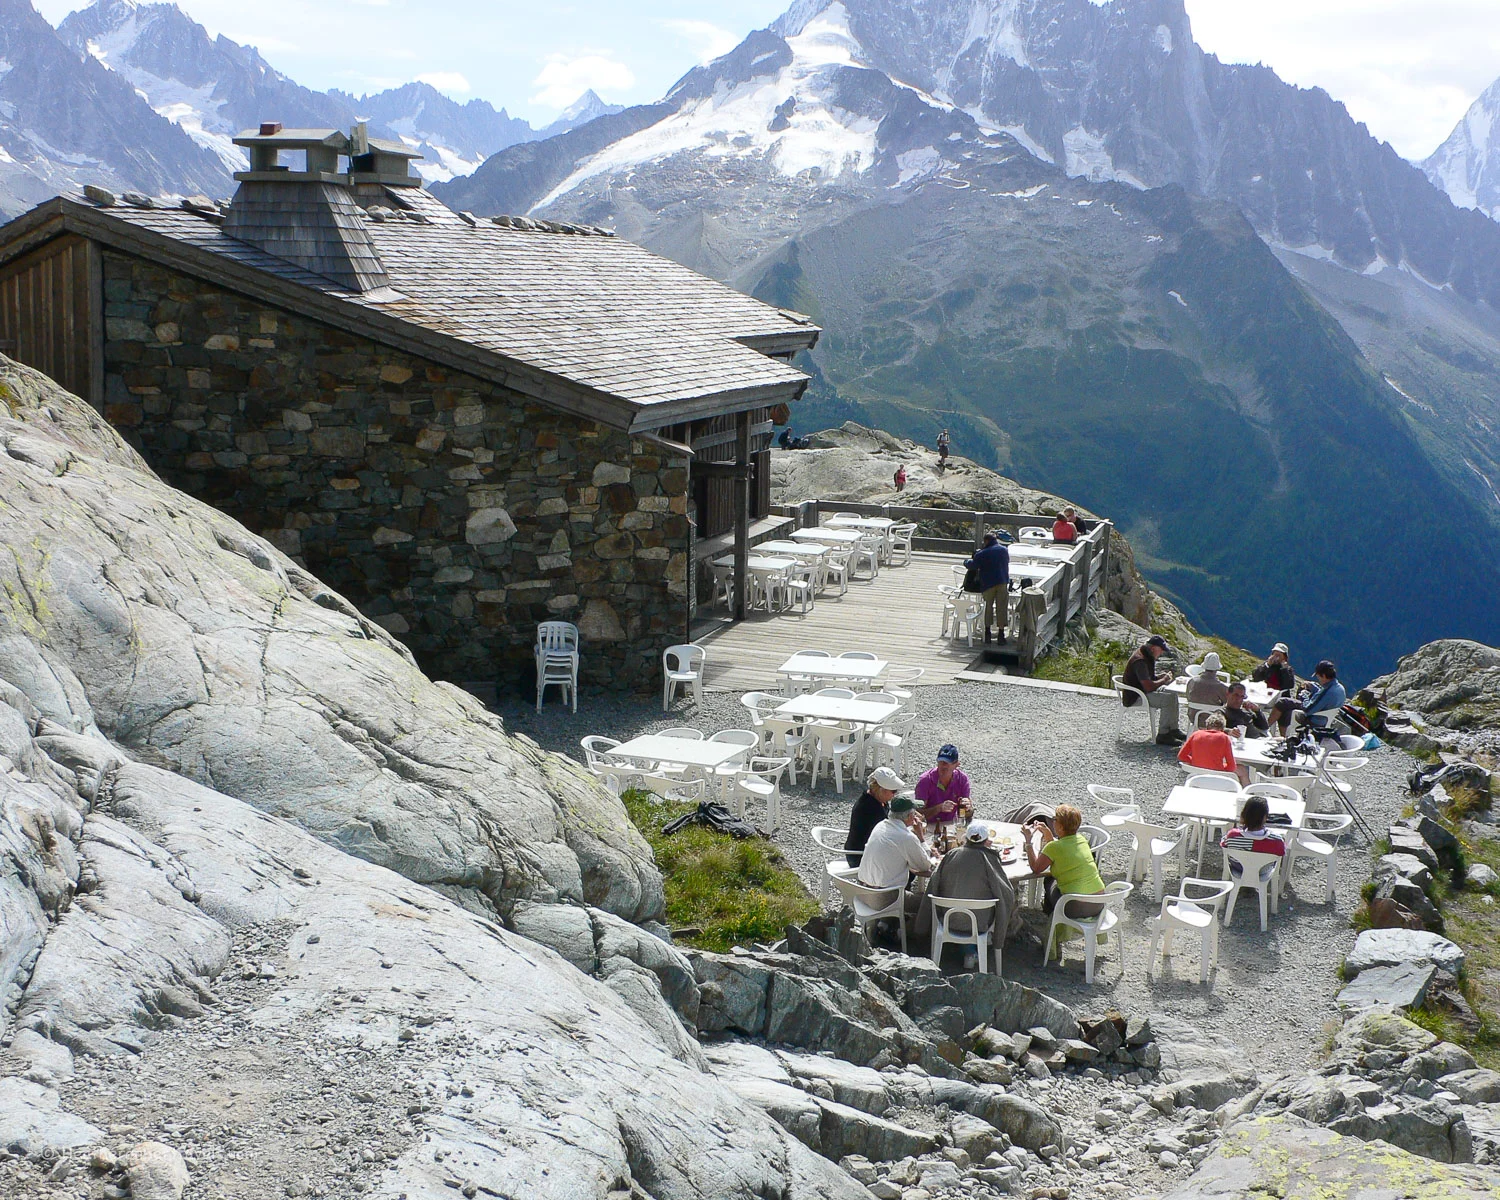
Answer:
(762, 782)
(897, 681)
(596, 748)
(556, 655)
(871, 904)
(801, 587)
(836, 567)
(889, 743)
(725, 773)
(785, 738)
(962, 615)
(1212, 781)
(1193, 773)
(760, 705)
(682, 666)
(836, 693)
(1096, 837)
(1316, 828)
(867, 550)
(1107, 921)
(686, 791)
(1189, 914)
(833, 745)
(1152, 845)
(1142, 702)
(860, 655)
(1251, 865)
(944, 910)
(723, 585)
(831, 842)
(1111, 799)
(686, 732)
(899, 542)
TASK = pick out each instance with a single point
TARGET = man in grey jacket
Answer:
(972, 871)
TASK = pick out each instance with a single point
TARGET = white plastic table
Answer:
(1209, 807)
(828, 537)
(818, 667)
(863, 713)
(875, 524)
(653, 747)
(795, 549)
(1255, 693)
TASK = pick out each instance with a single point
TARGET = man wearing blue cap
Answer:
(943, 792)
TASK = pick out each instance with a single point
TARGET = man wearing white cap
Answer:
(1204, 685)
(972, 871)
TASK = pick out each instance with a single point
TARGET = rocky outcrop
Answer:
(1453, 683)
(129, 608)
(1262, 1157)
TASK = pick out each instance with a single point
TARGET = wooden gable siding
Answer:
(51, 314)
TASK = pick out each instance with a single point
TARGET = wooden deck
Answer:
(897, 616)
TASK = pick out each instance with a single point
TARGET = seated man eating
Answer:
(1239, 713)
(894, 855)
(972, 871)
(943, 792)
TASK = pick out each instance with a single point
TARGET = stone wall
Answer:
(453, 511)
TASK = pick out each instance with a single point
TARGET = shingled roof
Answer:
(581, 320)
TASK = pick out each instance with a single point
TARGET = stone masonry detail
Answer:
(453, 511)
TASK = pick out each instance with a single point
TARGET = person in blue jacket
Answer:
(1319, 703)
(993, 564)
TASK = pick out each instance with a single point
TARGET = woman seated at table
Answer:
(1251, 834)
(1065, 528)
(1066, 859)
(1211, 749)
(1204, 685)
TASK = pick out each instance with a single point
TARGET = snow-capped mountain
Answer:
(452, 138)
(213, 88)
(1467, 165)
(1037, 220)
(65, 122)
(588, 107)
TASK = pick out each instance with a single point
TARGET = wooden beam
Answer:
(741, 512)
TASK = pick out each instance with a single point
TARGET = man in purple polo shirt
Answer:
(943, 790)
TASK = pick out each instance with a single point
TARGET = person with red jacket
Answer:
(1209, 748)
(1065, 528)
(900, 478)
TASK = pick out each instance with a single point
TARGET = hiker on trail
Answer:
(900, 478)
(942, 449)
(993, 565)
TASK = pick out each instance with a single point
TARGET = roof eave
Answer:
(788, 342)
(675, 412)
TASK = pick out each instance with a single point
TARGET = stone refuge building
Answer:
(467, 426)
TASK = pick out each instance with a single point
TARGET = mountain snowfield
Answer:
(1119, 268)
(1467, 165)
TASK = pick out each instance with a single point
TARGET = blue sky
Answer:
(1408, 68)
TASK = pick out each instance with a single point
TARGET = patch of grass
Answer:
(1239, 662)
(1473, 921)
(731, 891)
(1360, 920)
(1091, 667)
(1466, 802)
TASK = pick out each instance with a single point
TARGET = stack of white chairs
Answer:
(556, 655)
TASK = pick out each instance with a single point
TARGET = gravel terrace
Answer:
(1019, 744)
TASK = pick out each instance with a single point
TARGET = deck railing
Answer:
(1042, 612)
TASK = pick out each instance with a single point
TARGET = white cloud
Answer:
(445, 81)
(564, 79)
(709, 41)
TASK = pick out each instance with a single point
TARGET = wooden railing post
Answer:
(978, 530)
(1029, 608)
(1065, 598)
